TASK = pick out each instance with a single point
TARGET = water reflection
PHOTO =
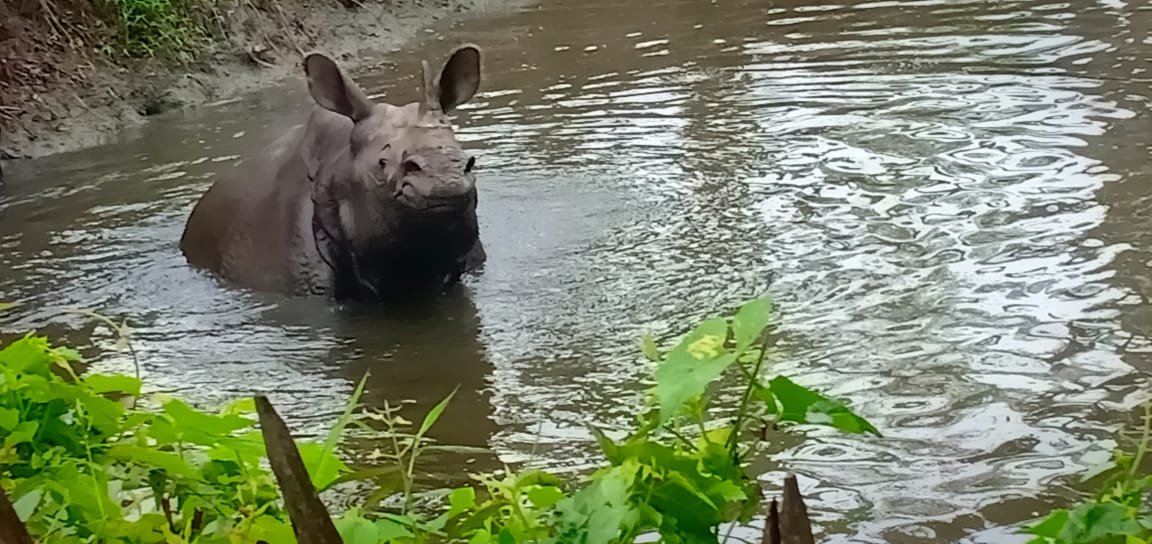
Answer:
(945, 198)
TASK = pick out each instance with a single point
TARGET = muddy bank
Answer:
(59, 91)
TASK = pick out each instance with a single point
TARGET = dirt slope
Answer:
(59, 91)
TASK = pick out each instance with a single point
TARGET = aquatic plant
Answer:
(82, 463)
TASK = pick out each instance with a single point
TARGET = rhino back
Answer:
(238, 229)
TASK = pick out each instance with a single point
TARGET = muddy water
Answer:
(947, 199)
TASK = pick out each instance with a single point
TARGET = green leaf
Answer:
(545, 497)
(649, 348)
(68, 354)
(388, 530)
(600, 512)
(691, 366)
(354, 529)
(434, 414)
(506, 536)
(1093, 522)
(202, 428)
(28, 354)
(101, 383)
(1050, 526)
(800, 404)
(104, 413)
(750, 321)
(9, 419)
(337, 430)
(769, 400)
(270, 529)
(25, 506)
(460, 500)
(324, 467)
(24, 432)
(246, 405)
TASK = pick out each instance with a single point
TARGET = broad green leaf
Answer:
(101, 383)
(1094, 521)
(104, 413)
(269, 529)
(697, 361)
(600, 512)
(545, 497)
(800, 404)
(323, 466)
(388, 530)
(28, 354)
(727, 490)
(9, 419)
(435, 413)
(199, 427)
(25, 506)
(24, 432)
(481, 537)
(354, 529)
(649, 348)
(506, 536)
(461, 499)
(750, 321)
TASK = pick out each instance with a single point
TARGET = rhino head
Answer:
(398, 198)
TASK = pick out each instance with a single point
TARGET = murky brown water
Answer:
(948, 199)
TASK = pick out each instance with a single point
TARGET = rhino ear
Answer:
(459, 79)
(332, 90)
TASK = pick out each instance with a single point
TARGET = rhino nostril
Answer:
(400, 188)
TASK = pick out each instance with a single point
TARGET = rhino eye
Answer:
(470, 164)
(383, 162)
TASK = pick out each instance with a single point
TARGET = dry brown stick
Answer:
(310, 519)
(772, 525)
(788, 524)
(795, 527)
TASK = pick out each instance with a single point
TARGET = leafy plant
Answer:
(680, 473)
(81, 466)
(1117, 513)
(149, 28)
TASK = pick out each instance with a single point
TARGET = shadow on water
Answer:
(947, 199)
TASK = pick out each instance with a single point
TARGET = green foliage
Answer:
(680, 473)
(151, 28)
(1117, 513)
(80, 466)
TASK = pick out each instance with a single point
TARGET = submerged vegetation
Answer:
(84, 460)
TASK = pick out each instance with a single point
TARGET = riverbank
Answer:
(66, 84)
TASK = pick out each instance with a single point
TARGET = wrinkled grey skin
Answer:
(366, 200)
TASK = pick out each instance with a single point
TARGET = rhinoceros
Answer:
(365, 200)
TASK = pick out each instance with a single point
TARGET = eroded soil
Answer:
(59, 91)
